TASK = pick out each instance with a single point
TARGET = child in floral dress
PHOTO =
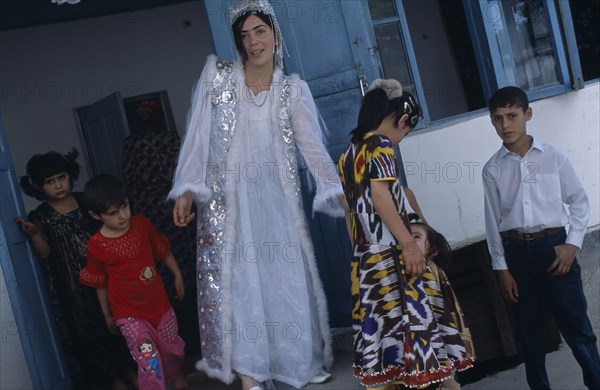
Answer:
(398, 337)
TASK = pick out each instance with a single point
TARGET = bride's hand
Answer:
(182, 211)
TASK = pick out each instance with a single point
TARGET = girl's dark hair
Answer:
(439, 249)
(103, 192)
(42, 166)
(376, 107)
(237, 30)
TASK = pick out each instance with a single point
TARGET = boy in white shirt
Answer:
(526, 185)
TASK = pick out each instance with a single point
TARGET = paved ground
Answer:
(563, 371)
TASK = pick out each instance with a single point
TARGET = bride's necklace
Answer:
(260, 98)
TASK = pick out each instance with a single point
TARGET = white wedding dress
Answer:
(274, 304)
(270, 301)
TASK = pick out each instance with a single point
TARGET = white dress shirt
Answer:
(529, 194)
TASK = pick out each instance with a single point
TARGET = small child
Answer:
(437, 251)
(121, 266)
(402, 337)
(59, 229)
(526, 185)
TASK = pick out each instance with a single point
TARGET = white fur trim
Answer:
(226, 377)
(200, 192)
(326, 202)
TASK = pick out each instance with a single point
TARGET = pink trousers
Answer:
(158, 352)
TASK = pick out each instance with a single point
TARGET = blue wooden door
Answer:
(104, 128)
(330, 45)
(26, 288)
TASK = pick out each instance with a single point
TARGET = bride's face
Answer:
(258, 40)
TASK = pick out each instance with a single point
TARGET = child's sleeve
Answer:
(33, 217)
(161, 247)
(94, 275)
(382, 162)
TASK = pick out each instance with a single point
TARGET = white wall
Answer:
(47, 71)
(13, 371)
(443, 164)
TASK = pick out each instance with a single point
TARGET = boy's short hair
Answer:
(509, 97)
(103, 192)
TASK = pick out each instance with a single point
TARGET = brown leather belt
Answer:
(515, 235)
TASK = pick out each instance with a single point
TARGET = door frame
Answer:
(36, 328)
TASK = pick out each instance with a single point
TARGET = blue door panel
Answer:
(331, 50)
(220, 28)
(104, 128)
(339, 113)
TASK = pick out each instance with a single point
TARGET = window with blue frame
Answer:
(453, 54)
(587, 34)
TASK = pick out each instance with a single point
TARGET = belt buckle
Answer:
(527, 236)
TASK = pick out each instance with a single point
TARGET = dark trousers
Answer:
(527, 261)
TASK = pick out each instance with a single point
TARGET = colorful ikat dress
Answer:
(402, 331)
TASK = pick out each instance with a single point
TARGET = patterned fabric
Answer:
(67, 235)
(149, 161)
(76, 309)
(88, 279)
(158, 352)
(374, 160)
(128, 262)
(402, 329)
(452, 306)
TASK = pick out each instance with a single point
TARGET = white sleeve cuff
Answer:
(499, 264)
(575, 238)
(326, 202)
(200, 192)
